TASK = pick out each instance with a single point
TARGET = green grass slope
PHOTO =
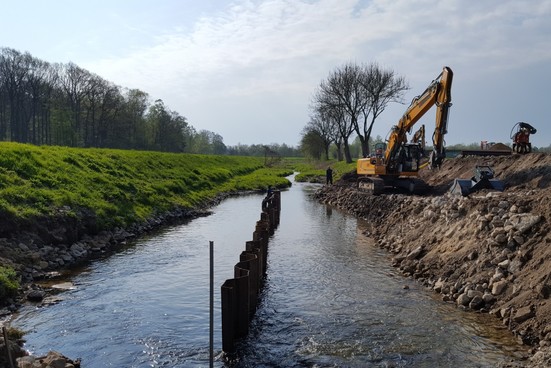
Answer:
(119, 187)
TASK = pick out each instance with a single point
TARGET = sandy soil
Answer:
(488, 252)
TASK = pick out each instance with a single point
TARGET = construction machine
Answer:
(521, 138)
(396, 163)
(419, 137)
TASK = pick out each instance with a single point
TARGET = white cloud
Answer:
(253, 53)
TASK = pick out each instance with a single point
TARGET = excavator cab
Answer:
(409, 157)
(377, 157)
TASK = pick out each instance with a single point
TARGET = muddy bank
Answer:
(489, 252)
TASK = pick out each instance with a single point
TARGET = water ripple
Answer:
(330, 300)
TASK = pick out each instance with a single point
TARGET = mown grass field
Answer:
(120, 187)
(314, 171)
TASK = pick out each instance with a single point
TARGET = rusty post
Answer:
(249, 260)
(256, 247)
(228, 316)
(241, 275)
(240, 294)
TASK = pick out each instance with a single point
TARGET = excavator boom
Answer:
(437, 93)
(401, 160)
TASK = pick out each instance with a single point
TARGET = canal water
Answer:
(331, 299)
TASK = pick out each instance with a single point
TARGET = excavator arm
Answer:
(419, 137)
(399, 166)
(437, 93)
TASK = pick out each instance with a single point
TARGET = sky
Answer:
(247, 69)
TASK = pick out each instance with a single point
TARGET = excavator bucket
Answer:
(482, 179)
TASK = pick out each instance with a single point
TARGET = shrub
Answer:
(9, 282)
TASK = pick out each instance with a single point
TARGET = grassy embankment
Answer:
(119, 187)
(314, 171)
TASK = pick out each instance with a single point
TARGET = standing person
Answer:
(329, 176)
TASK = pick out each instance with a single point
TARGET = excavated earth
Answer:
(488, 252)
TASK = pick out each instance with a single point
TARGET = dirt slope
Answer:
(489, 252)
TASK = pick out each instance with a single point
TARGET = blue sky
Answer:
(247, 69)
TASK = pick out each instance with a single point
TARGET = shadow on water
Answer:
(331, 299)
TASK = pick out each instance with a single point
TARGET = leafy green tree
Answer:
(312, 143)
(168, 128)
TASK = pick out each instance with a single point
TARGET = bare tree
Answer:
(352, 98)
(324, 127)
(75, 83)
(64, 104)
(380, 87)
(40, 84)
(338, 100)
(14, 70)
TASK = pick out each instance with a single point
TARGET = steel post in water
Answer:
(261, 232)
(266, 220)
(249, 260)
(240, 294)
(263, 225)
(242, 300)
(256, 246)
(275, 209)
(274, 218)
(229, 319)
(211, 311)
(277, 199)
(262, 239)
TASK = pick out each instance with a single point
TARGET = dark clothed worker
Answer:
(329, 176)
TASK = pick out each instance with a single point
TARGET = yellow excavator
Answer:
(396, 163)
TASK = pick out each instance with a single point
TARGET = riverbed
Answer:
(331, 299)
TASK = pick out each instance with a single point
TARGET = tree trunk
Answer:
(339, 151)
(347, 154)
(364, 144)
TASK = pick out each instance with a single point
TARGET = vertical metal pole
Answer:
(7, 344)
(211, 311)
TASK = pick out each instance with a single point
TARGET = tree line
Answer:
(45, 103)
(349, 101)
(64, 104)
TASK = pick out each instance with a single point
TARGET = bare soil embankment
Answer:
(488, 252)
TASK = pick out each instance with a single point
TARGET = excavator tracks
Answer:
(371, 185)
(376, 186)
